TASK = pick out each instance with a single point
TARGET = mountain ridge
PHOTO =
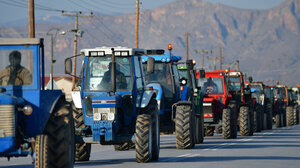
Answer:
(265, 41)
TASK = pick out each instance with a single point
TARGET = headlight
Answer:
(27, 110)
(104, 114)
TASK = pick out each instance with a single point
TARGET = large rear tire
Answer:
(268, 116)
(245, 121)
(278, 120)
(184, 128)
(257, 119)
(289, 116)
(283, 118)
(199, 129)
(209, 131)
(82, 150)
(55, 147)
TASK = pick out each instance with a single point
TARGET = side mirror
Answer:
(68, 66)
(202, 73)
(150, 65)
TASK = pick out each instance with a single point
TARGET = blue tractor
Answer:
(117, 107)
(174, 97)
(33, 121)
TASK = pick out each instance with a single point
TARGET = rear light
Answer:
(208, 115)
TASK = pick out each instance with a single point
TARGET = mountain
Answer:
(266, 42)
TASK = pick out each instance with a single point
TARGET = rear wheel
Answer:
(219, 129)
(184, 127)
(257, 119)
(278, 120)
(269, 116)
(245, 121)
(209, 131)
(283, 118)
(124, 146)
(289, 116)
(55, 148)
(199, 129)
(82, 150)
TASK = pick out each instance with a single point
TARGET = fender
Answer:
(76, 97)
(188, 103)
(52, 97)
(159, 96)
(147, 96)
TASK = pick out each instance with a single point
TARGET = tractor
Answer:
(266, 101)
(187, 72)
(219, 111)
(33, 121)
(279, 106)
(174, 97)
(117, 107)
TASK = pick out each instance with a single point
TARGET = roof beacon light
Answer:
(170, 47)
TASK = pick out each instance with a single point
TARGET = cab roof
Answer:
(102, 51)
(166, 57)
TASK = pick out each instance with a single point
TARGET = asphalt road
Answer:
(277, 148)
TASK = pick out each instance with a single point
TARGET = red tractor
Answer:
(218, 107)
(244, 103)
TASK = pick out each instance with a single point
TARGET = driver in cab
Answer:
(15, 74)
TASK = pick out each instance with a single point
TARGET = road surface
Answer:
(277, 148)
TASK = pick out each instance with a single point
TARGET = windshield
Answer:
(98, 75)
(161, 75)
(15, 67)
(267, 92)
(257, 87)
(234, 83)
(183, 74)
(281, 93)
(211, 85)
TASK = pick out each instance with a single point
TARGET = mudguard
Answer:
(76, 99)
(159, 96)
(147, 96)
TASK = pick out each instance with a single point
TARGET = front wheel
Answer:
(184, 127)
(245, 121)
(55, 147)
(143, 140)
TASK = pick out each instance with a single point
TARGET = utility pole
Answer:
(137, 24)
(220, 57)
(31, 29)
(31, 24)
(186, 46)
(238, 65)
(75, 42)
(215, 63)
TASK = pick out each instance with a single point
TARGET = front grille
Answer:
(7, 121)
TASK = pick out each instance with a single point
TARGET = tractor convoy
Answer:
(128, 98)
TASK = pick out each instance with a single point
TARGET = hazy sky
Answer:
(16, 10)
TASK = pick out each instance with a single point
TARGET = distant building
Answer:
(63, 83)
